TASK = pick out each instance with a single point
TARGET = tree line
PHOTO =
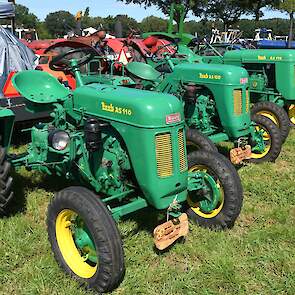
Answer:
(217, 13)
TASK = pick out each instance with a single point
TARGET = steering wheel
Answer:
(62, 62)
(157, 56)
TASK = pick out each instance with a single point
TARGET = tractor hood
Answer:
(211, 74)
(130, 106)
(262, 55)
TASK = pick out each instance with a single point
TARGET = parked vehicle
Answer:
(128, 147)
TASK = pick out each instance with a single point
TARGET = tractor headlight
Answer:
(59, 140)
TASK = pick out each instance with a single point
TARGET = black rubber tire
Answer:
(223, 170)
(6, 193)
(103, 230)
(195, 140)
(279, 113)
(276, 139)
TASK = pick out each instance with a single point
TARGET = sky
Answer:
(100, 8)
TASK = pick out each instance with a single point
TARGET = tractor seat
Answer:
(143, 71)
(40, 87)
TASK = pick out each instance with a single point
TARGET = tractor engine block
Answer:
(112, 166)
(199, 110)
(258, 82)
(66, 153)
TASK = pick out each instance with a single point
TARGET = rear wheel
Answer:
(267, 141)
(6, 193)
(85, 240)
(275, 113)
(215, 193)
(195, 140)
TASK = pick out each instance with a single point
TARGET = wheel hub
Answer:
(83, 241)
(205, 191)
(75, 244)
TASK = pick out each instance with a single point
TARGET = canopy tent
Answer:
(7, 10)
(14, 55)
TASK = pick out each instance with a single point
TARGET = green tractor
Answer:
(271, 82)
(216, 104)
(271, 72)
(126, 148)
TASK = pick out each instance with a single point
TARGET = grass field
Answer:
(256, 257)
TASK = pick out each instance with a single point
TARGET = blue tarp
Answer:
(14, 55)
(7, 10)
(274, 44)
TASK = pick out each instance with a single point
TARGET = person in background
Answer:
(100, 41)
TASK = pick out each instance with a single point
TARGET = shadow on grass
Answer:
(147, 220)
(23, 184)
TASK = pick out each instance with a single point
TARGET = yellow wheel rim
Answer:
(266, 137)
(291, 113)
(195, 205)
(68, 248)
(271, 116)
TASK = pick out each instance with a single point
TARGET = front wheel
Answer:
(215, 193)
(275, 113)
(266, 142)
(85, 240)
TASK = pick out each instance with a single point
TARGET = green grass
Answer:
(256, 257)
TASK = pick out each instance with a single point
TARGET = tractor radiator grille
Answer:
(238, 105)
(181, 147)
(164, 155)
(247, 101)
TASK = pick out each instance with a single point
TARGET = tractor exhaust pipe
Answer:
(93, 134)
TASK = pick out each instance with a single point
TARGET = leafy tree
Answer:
(229, 11)
(289, 7)
(126, 22)
(42, 31)
(86, 19)
(255, 7)
(164, 5)
(58, 23)
(153, 24)
(24, 17)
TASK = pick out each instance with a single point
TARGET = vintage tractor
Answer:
(271, 72)
(203, 88)
(126, 147)
(216, 102)
(271, 83)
